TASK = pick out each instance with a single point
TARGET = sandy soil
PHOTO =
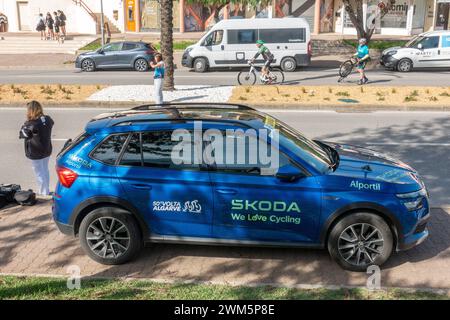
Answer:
(46, 93)
(332, 95)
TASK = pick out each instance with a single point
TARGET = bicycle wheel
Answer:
(346, 68)
(246, 78)
(277, 76)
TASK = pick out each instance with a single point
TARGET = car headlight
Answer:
(188, 50)
(413, 200)
(391, 53)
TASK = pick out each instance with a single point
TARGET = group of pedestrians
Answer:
(52, 27)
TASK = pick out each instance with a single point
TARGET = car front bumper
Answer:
(419, 234)
(388, 61)
(187, 60)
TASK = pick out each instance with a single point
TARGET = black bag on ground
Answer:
(8, 191)
(25, 198)
(3, 201)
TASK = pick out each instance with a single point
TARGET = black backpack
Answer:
(7, 191)
(25, 198)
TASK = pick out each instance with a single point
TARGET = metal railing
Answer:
(82, 4)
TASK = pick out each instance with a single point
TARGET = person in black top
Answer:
(37, 133)
(62, 18)
(57, 25)
(49, 22)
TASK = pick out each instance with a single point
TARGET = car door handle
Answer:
(222, 47)
(226, 191)
(142, 186)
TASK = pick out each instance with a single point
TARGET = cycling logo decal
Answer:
(176, 206)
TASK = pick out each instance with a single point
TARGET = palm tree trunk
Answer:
(167, 42)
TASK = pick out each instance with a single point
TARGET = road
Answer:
(418, 138)
(307, 76)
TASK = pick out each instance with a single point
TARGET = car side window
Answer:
(112, 47)
(214, 38)
(129, 46)
(245, 36)
(159, 150)
(132, 155)
(430, 42)
(109, 150)
(446, 41)
(242, 156)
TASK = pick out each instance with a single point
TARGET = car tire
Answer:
(88, 65)
(288, 64)
(110, 236)
(141, 65)
(200, 65)
(404, 65)
(359, 240)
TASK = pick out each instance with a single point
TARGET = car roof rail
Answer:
(187, 105)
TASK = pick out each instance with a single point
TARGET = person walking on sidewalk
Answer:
(49, 22)
(158, 78)
(62, 18)
(362, 54)
(57, 27)
(37, 133)
(41, 26)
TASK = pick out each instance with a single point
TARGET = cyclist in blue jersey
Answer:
(363, 56)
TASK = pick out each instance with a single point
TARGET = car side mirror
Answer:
(100, 51)
(420, 46)
(289, 173)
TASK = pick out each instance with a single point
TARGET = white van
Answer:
(427, 50)
(231, 43)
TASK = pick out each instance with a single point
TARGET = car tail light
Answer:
(309, 48)
(66, 176)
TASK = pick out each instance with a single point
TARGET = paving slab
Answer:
(30, 244)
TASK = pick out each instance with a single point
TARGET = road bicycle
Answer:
(275, 76)
(346, 68)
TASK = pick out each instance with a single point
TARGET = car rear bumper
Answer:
(64, 228)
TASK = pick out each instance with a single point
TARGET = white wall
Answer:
(108, 8)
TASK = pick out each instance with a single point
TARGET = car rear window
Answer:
(109, 150)
(71, 143)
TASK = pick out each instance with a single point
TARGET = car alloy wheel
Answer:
(360, 244)
(141, 65)
(88, 65)
(107, 237)
(404, 66)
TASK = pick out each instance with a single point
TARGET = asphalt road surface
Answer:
(418, 138)
(307, 76)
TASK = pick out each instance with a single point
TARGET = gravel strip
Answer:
(144, 93)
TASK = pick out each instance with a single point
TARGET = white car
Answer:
(427, 50)
(231, 43)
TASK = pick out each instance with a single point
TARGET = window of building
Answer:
(242, 36)
(110, 149)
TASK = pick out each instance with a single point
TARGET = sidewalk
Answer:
(31, 245)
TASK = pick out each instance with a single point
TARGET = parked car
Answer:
(120, 186)
(231, 43)
(427, 50)
(117, 55)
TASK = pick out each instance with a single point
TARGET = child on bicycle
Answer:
(362, 55)
(268, 58)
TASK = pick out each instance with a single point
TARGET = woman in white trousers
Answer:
(158, 78)
(37, 133)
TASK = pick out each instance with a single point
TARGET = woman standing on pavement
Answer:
(158, 77)
(62, 18)
(41, 26)
(49, 22)
(57, 25)
(37, 132)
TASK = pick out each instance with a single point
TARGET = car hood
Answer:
(367, 166)
(391, 49)
(88, 53)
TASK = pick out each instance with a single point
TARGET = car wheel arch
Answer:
(385, 214)
(87, 206)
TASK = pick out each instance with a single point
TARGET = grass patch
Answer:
(12, 287)
(342, 94)
(377, 44)
(177, 45)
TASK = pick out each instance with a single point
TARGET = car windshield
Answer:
(413, 42)
(301, 146)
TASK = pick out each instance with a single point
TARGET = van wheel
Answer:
(110, 236)
(360, 240)
(404, 65)
(200, 65)
(288, 64)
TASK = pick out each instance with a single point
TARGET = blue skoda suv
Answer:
(154, 174)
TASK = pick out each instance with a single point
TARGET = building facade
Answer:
(407, 17)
